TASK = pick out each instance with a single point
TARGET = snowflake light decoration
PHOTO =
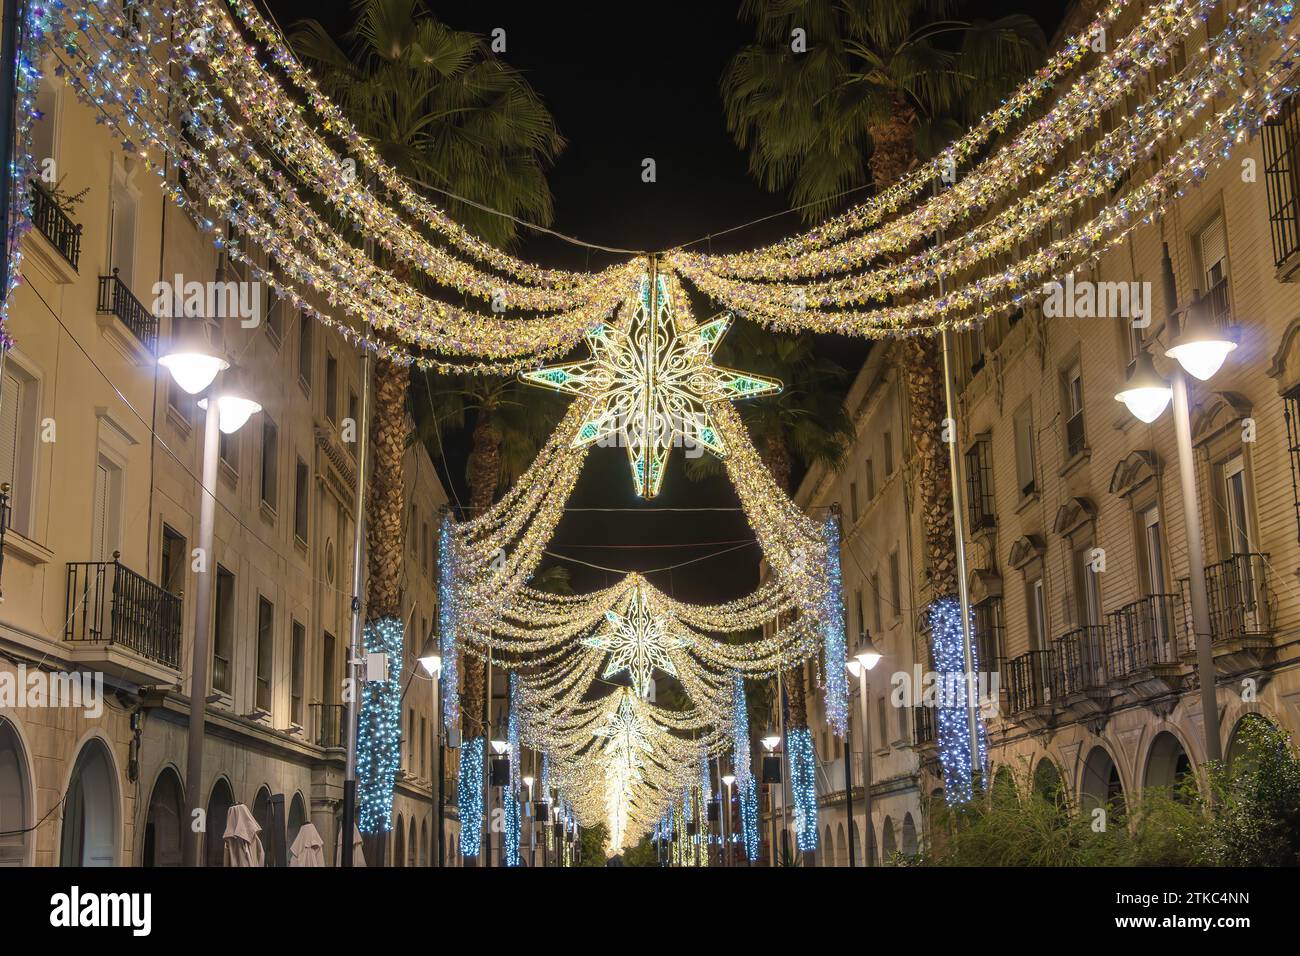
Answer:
(625, 732)
(651, 381)
(637, 641)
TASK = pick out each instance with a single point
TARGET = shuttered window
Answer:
(11, 401)
(100, 548)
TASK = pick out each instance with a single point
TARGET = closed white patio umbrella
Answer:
(358, 858)
(243, 846)
(308, 848)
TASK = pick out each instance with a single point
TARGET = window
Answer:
(329, 687)
(171, 573)
(1074, 437)
(889, 454)
(979, 484)
(1291, 414)
(424, 753)
(871, 480)
(270, 462)
(18, 437)
(862, 614)
(332, 388)
(988, 632)
(121, 242)
(1282, 176)
(1152, 552)
(1036, 596)
(223, 631)
(425, 542)
(882, 723)
(853, 501)
(298, 651)
(411, 542)
(45, 128)
(228, 450)
(1236, 508)
(895, 584)
(301, 490)
(1087, 596)
(265, 651)
(275, 319)
(354, 415)
(1026, 465)
(875, 603)
(1212, 247)
(304, 349)
(106, 509)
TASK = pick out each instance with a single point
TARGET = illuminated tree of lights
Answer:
(650, 380)
(637, 641)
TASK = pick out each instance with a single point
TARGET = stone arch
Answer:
(910, 846)
(92, 808)
(1236, 748)
(16, 804)
(164, 827)
(297, 815)
(841, 846)
(1100, 783)
(1047, 782)
(399, 842)
(1004, 784)
(1168, 764)
(888, 843)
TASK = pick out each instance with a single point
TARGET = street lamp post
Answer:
(770, 743)
(432, 665)
(194, 365)
(1200, 349)
(867, 658)
(727, 781)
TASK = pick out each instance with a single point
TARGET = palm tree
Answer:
(445, 112)
(882, 83)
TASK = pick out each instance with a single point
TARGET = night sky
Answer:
(626, 82)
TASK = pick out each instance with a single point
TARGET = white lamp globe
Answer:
(193, 371)
(1201, 346)
(1145, 393)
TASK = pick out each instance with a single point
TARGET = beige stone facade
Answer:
(103, 455)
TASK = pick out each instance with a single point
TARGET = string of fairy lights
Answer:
(208, 98)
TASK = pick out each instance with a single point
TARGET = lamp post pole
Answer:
(200, 653)
(864, 692)
(848, 786)
(352, 702)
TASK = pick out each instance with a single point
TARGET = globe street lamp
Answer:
(862, 662)
(1199, 350)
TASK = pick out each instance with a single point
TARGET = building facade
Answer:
(101, 456)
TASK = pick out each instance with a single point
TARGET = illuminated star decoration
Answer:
(625, 734)
(637, 642)
(652, 381)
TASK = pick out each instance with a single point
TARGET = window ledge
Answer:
(47, 260)
(178, 420)
(1027, 500)
(1082, 455)
(267, 511)
(1288, 267)
(228, 472)
(25, 549)
(123, 339)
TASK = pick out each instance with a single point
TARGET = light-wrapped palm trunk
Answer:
(385, 532)
(481, 471)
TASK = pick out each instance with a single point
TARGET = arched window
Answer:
(1168, 765)
(1101, 786)
(163, 827)
(841, 846)
(412, 849)
(856, 836)
(399, 843)
(827, 850)
(1238, 743)
(297, 816)
(1004, 787)
(424, 842)
(219, 804)
(1047, 781)
(910, 846)
(90, 810)
(888, 845)
(15, 798)
(262, 814)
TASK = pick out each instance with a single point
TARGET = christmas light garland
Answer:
(379, 738)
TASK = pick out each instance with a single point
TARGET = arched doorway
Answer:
(15, 798)
(90, 810)
(888, 843)
(412, 850)
(1003, 790)
(841, 846)
(1101, 785)
(1168, 765)
(163, 827)
(424, 842)
(1047, 781)
(399, 843)
(297, 816)
(1240, 738)
(910, 846)
(219, 803)
(826, 852)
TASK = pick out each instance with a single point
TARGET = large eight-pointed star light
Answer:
(636, 641)
(651, 381)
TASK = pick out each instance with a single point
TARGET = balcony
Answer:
(116, 299)
(330, 721)
(1147, 643)
(1032, 686)
(4, 526)
(1217, 303)
(1074, 437)
(1082, 672)
(120, 621)
(923, 721)
(55, 225)
(1241, 612)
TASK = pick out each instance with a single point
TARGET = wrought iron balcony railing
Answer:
(1217, 302)
(110, 603)
(116, 299)
(4, 527)
(1240, 604)
(1081, 659)
(1032, 680)
(1144, 634)
(55, 225)
(1074, 437)
(329, 724)
(923, 721)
